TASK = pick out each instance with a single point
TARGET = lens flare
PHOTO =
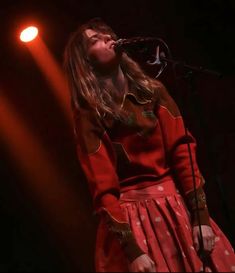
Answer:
(29, 34)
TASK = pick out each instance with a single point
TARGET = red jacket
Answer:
(149, 146)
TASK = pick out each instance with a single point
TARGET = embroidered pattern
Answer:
(148, 114)
(131, 119)
(201, 198)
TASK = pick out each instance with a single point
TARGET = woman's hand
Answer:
(142, 264)
(207, 235)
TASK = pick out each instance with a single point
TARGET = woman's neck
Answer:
(115, 81)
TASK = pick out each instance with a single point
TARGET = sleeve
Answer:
(176, 145)
(97, 158)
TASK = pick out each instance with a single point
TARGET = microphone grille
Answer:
(133, 40)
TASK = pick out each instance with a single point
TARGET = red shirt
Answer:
(149, 146)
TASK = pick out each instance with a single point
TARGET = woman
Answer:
(133, 149)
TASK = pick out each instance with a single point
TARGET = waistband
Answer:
(165, 188)
(142, 181)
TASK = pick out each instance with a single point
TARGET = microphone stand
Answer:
(161, 59)
(191, 68)
(198, 111)
(196, 106)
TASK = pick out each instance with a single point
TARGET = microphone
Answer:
(134, 41)
(139, 43)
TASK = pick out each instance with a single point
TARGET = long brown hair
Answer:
(84, 85)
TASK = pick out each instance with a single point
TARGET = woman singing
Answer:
(133, 149)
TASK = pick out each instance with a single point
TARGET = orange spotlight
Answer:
(54, 74)
(45, 183)
(29, 34)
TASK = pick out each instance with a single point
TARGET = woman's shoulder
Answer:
(160, 92)
(88, 119)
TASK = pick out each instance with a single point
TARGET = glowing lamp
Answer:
(28, 34)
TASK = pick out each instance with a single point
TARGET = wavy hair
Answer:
(85, 87)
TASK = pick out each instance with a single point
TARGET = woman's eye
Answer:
(93, 41)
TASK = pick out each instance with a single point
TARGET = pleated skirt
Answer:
(161, 224)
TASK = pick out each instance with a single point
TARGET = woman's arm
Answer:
(176, 145)
(97, 158)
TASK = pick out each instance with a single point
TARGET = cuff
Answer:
(198, 207)
(125, 237)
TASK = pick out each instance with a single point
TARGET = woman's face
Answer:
(100, 51)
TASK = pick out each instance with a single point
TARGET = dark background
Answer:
(200, 33)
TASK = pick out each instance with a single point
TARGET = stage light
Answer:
(28, 34)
